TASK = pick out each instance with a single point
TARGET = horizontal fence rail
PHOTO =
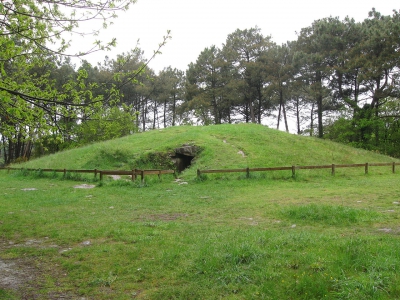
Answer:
(333, 167)
(134, 173)
(142, 173)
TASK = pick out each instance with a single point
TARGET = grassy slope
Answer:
(262, 146)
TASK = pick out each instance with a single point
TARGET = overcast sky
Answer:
(196, 25)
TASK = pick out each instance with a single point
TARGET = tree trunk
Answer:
(319, 110)
(155, 114)
(217, 119)
(165, 113)
(298, 115)
(259, 113)
(174, 111)
(319, 104)
(252, 114)
(144, 114)
(285, 117)
(5, 150)
(279, 116)
(312, 121)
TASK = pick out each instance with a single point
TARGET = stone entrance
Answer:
(183, 156)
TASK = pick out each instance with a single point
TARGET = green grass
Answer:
(226, 236)
(329, 214)
(333, 238)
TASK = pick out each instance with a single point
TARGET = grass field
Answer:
(225, 237)
(336, 238)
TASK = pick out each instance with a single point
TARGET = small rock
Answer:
(86, 243)
(293, 226)
(396, 202)
(85, 186)
(241, 153)
(29, 189)
(65, 250)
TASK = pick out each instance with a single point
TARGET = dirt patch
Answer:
(22, 278)
(390, 230)
(15, 273)
(25, 277)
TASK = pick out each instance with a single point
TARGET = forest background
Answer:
(338, 80)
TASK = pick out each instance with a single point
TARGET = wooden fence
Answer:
(333, 167)
(133, 173)
(142, 173)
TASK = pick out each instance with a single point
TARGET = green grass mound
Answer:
(222, 146)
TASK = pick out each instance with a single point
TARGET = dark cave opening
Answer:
(182, 161)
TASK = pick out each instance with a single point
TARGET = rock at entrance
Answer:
(187, 150)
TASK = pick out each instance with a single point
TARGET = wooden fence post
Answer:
(133, 175)
(293, 171)
(65, 172)
(198, 173)
(366, 168)
(333, 169)
(142, 175)
(394, 167)
(247, 172)
(95, 173)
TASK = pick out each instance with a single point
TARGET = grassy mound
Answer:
(223, 146)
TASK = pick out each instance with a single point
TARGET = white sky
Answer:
(196, 25)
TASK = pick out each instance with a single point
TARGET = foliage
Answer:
(335, 70)
(333, 65)
(44, 97)
(107, 124)
(366, 130)
(155, 160)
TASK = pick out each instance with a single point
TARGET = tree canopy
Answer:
(41, 92)
(339, 79)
